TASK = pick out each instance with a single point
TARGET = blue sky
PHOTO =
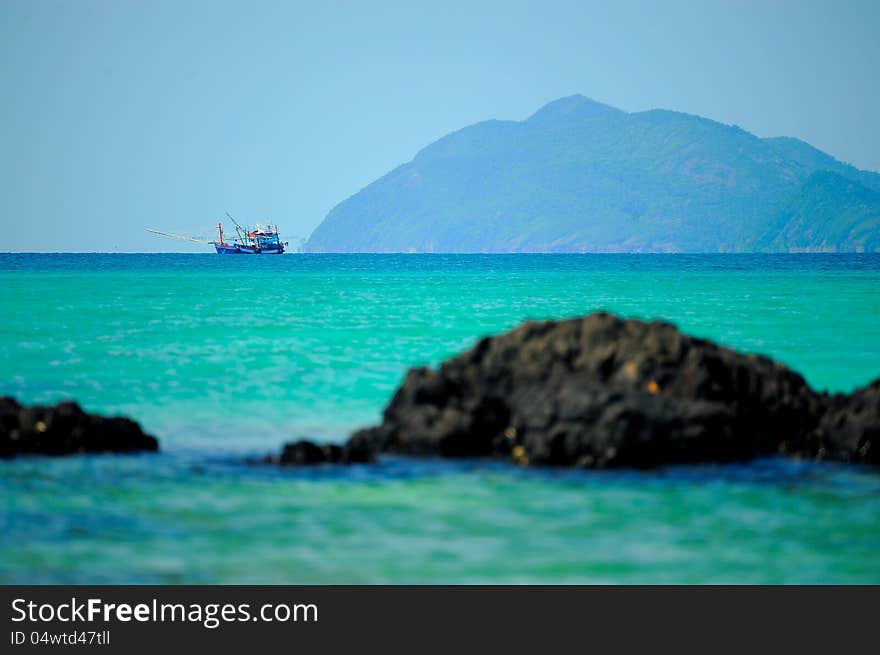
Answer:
(118, 115)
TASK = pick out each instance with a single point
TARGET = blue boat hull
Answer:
(227, 249)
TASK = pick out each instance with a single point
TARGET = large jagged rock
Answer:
(600, 391)
(65, 429)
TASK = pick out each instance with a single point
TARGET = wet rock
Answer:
(850, 429)
(65, 429)
(601, 391)
(598, 391)
(304, 452)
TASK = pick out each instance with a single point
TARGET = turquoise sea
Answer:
(225, 358)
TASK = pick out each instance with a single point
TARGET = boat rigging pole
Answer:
(178, 236)
(242, 233)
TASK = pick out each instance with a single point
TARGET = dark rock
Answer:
(600, 391)
(358, 452)
(65, 429)
(850, 429)
(304, 452)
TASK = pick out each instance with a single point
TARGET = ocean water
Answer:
(225, 358)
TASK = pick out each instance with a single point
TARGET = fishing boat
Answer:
(262, 240)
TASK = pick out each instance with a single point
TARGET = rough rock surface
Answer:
(850, 429)
(601, 391)
(65, 429)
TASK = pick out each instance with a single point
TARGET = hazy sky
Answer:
(116, 116)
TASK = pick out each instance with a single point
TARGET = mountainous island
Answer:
(581, 176)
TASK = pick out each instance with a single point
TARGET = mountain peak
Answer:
(581, 176)
(574, 106)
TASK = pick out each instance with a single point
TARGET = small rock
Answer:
(65, 429)
(304, 452)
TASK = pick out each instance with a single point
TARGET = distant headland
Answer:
(581, 176)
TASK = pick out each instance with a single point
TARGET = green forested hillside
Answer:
(580, 176)
(828, 213)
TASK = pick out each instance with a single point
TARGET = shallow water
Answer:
(226, 357)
